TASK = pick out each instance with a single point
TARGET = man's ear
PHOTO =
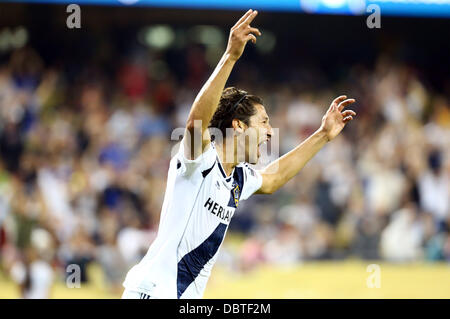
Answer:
(238, 126)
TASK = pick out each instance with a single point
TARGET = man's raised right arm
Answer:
(208, 98)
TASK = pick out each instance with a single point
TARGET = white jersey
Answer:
(199, 202)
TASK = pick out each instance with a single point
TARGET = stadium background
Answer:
(85, 123)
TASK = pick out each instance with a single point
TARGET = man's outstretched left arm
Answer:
(279, 172)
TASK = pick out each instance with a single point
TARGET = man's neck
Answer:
(223, 156)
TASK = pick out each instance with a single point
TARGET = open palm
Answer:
(335, 119)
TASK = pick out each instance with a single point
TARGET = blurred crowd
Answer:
(84, 159)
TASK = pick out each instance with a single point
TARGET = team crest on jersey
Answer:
(236, 194)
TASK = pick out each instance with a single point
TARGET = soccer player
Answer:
(209, 176)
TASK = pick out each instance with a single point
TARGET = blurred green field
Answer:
(311, 280)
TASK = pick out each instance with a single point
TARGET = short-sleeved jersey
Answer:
(199, 202)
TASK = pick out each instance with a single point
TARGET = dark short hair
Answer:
(234, 104)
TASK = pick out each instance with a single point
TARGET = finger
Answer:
(249, 18)
(333, 108)
(250, 37)
(339, 99)
(347, 119)
(348, 112)
(255, 31)
(242, 19)
(345, 103)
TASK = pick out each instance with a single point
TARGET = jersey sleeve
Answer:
(186, 167)
(252, 182)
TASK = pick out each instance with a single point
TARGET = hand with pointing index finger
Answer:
(240, 34)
